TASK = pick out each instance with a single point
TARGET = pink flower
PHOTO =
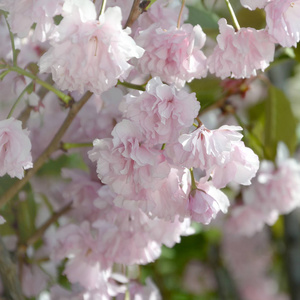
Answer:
(247, 220)
(253, 4)
(88, 54)
(126, 163)
(220, 153)
(239, 54)
(281, 185)
(22, 14)
(161, 112)
(163, 13)
(205, 202)
(174, 54)
(147, 291)
(283, 21)
(15, 148)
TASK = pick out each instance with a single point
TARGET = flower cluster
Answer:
(151, 160)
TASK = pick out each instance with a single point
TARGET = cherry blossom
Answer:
(161, 112)
(283, 21)
(240, 54)
(22, 15)
(89, 54)
(126, 163)
(205, 202)
(220, 153)
(253, 4)
(15, 146)
(173, 54)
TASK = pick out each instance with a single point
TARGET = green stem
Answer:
(102, 7)
(180, 13)
(132, 86)
(27, 88)
(163, 146)
(67, 146)
(12, 40)
(65, 98)
(233, 16)
(194, 186)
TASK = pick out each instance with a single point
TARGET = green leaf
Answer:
(280, 123)
(254, 19)
(207, 90)
(3, 74)
(206, 19)
(26, 214)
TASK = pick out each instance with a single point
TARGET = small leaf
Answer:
(26, 214)
(206, 19)
(3, 74)
(280, 123)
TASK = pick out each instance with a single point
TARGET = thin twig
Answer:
(135, 12)
(53, 146)
(39, 233)
(180, 13)
(8, 272)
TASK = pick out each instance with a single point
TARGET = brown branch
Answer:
(8, 272)
(138, 8)
(39, 233)
(52, 147)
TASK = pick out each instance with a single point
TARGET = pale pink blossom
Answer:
(163, 13)
(130, 236)
(170, 200)
(108, 285)
(281, 184)
(138, 291)
(174, 54)
(22, 15)
(2, 220)
(117, 236)
(240, 54)
(34, 280)
(89, 54)
(15, 146)
(79, 245)
(283, 21)
(205, 202)
(126, 164)
(253, 4)
(220, 153)
(247, 220)
(162, 112)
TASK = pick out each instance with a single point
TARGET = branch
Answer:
(39, 233)
(8, 272)
(137, 9)
(292, 253)
(52, 147)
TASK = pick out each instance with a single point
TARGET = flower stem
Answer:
(27, 88)
(65, 98)
(12, 40)
(194, 186)
(102, 7)
(180, 13)
(67, 146)
(132, 86)
(233, 16)
(9, 275)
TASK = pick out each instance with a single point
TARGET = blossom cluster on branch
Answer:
(148, 160)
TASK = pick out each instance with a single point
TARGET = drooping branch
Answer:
(8, 274)
(53, 146)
